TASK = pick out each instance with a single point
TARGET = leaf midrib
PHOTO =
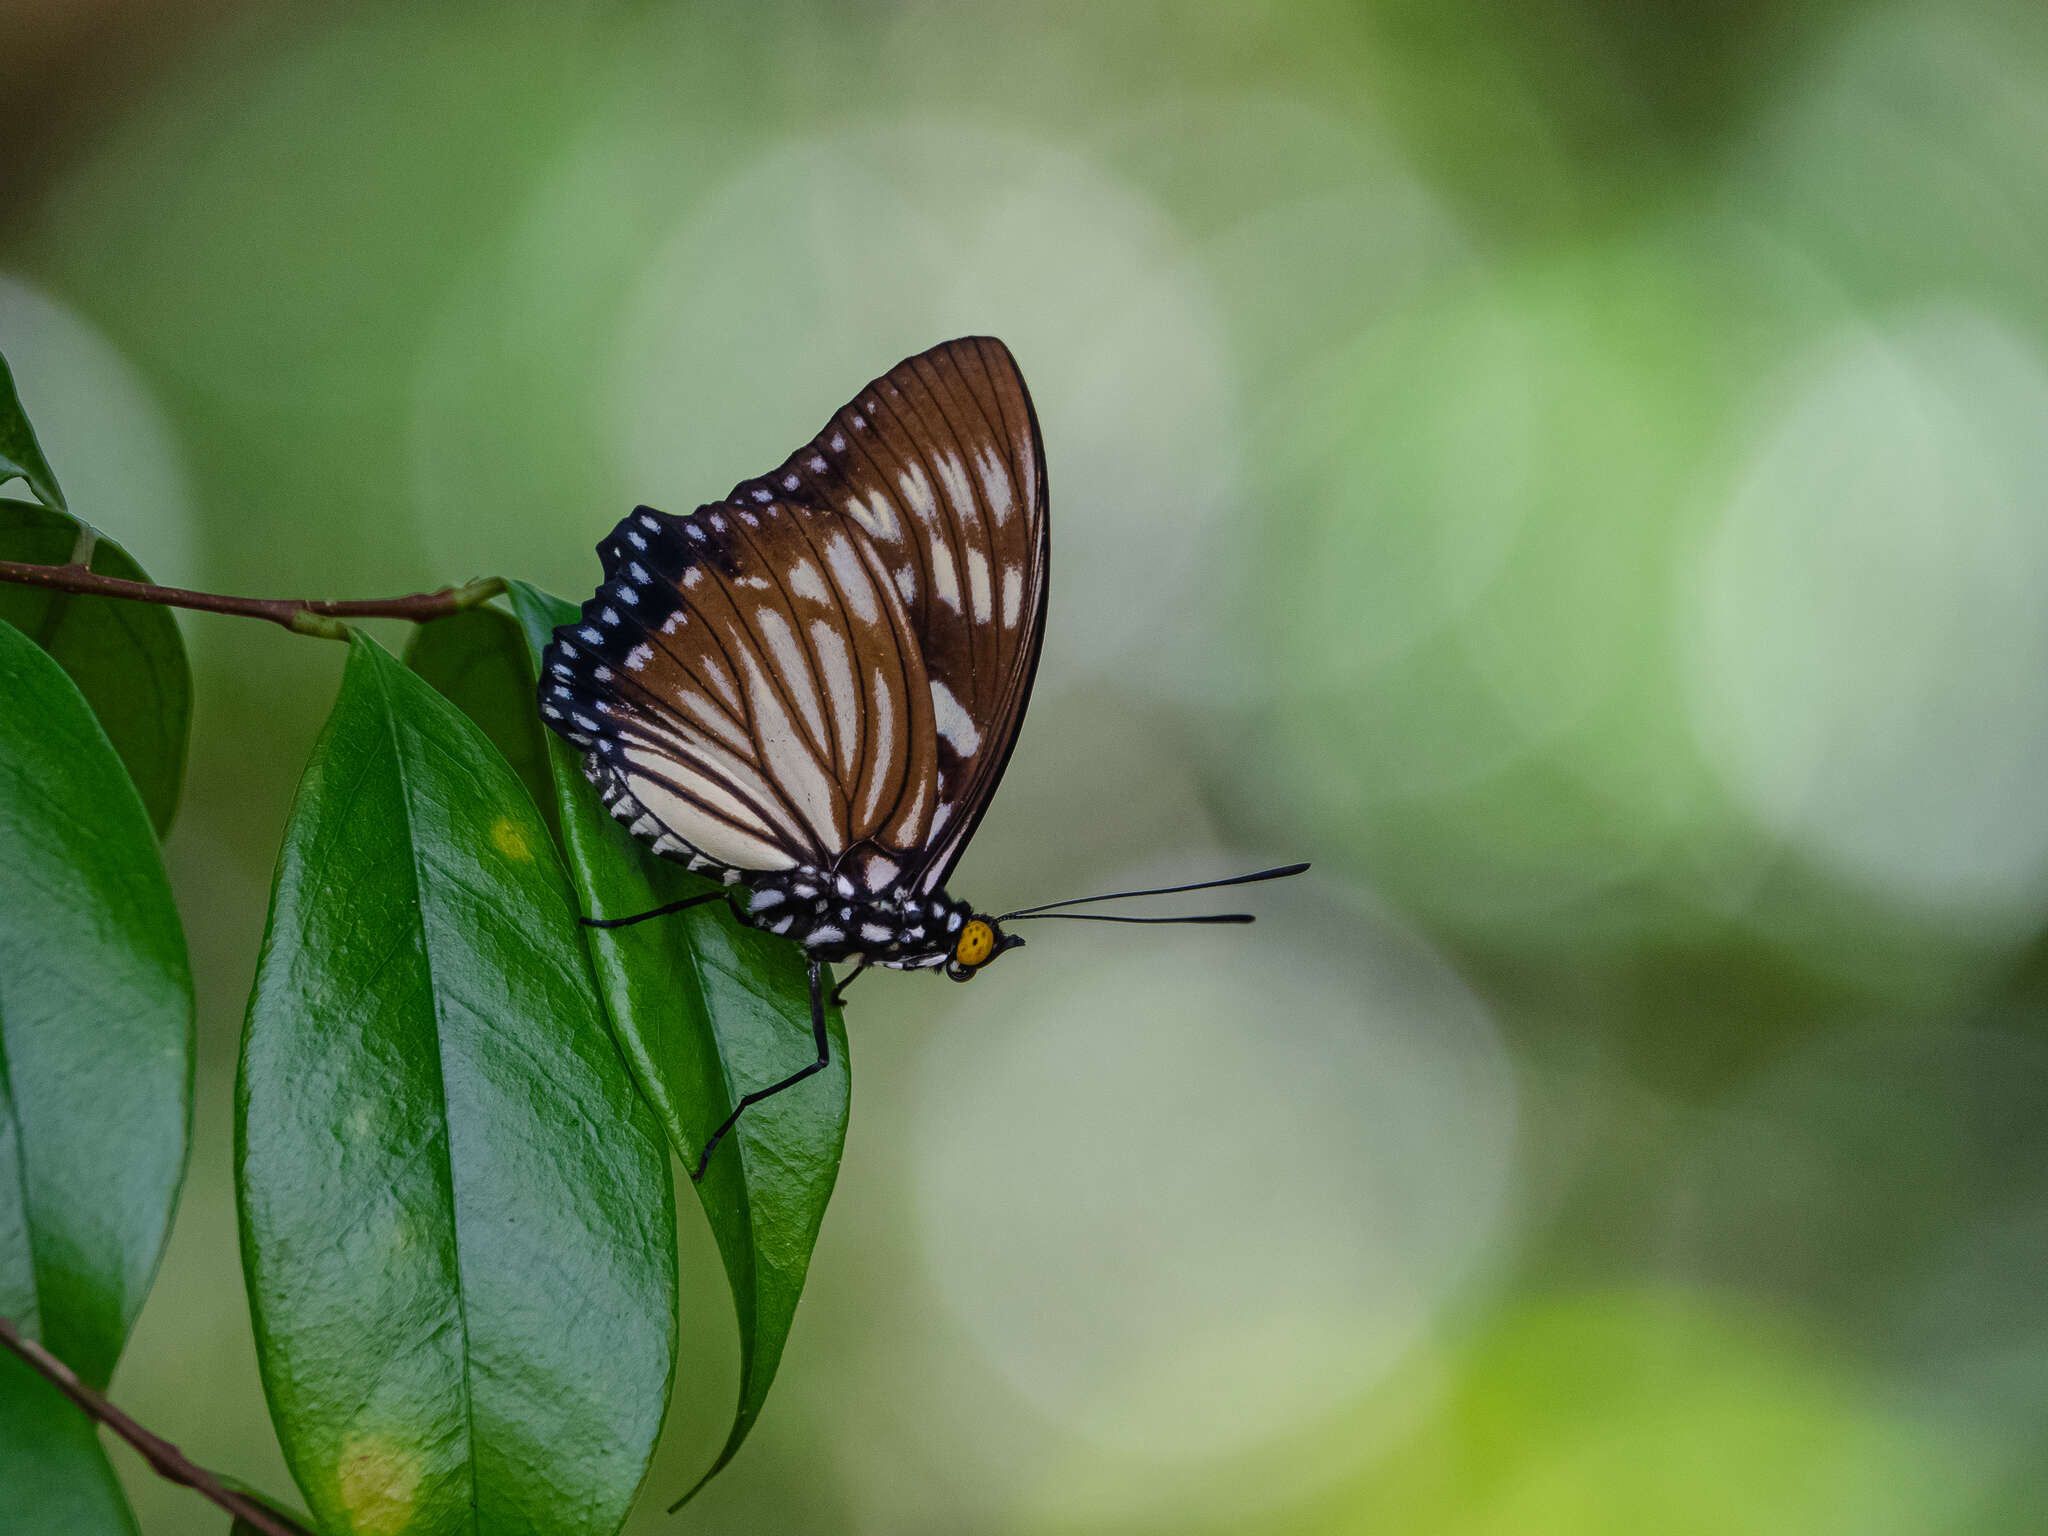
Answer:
(10, 1126)
(398, 763)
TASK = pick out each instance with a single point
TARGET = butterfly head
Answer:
(981, 940)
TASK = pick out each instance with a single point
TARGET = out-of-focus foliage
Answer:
(1574, 470)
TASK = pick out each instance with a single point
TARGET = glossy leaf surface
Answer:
(53, 1474)
(95, 1071)
(707, 1010)
(477, 660)
(95, 1023)
(20, 455)
(457, 1215)
(127, 658)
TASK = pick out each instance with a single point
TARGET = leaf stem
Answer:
(303, 616)
(163, 1457)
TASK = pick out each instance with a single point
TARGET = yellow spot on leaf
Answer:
(379, 1484)
(510, 841)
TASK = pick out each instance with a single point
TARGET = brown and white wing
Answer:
(749, 692)
(940, 465)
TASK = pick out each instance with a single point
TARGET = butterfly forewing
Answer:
(830, 667)
(939, 462)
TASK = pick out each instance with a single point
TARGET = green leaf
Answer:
(238, 1526)
(707, 1010)
(53, 1475)
(95, 1024)
(95, 1075)
(477, 659)
(458, 1226)
(20, 454)
(127, 658)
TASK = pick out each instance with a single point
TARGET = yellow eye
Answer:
(977, 943)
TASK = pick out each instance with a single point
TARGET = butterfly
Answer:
(809, 690)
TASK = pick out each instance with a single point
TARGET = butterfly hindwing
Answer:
(829, 668)
(749, 690)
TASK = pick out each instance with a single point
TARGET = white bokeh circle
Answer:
(1865, 626)
(1187, 1201)
(103, 432)
(820, 263)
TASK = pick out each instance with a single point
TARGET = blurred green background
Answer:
(1575, 469)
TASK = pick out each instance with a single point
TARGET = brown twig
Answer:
(164, 1458)
(304, 616)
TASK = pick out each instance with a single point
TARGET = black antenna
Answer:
(1279, 873)
(1106, 917)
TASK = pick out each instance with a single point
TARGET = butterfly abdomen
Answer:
(834, 919)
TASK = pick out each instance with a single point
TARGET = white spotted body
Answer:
(835, 920)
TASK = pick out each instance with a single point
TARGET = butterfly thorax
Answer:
(835, 919)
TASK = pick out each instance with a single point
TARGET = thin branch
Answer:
(164, 1458)
(304, 616)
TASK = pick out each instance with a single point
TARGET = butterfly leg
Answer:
(838, 998)
(641, 917)
(824, 1060)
